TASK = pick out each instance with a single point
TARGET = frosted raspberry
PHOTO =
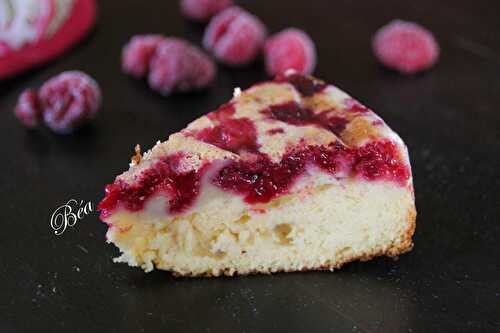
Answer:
(405, 46)
(290, 49)
(234, 36)
(28, 109)
(137, 54)
(179, 66)
(69, 100)
(203, 10)
(4, 47)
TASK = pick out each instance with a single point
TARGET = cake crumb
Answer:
(236, 92)
(136, 159)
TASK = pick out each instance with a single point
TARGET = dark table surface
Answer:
(449, 117)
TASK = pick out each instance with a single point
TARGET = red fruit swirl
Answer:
(258, 180)
(181, 187)
(263, 180)
(306, 85)
(295, 114)
(234, 135)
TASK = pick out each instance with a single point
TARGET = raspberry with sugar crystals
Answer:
(69, 100)
(179, 66)
(234, 36)
(405, 46)
(138, 52)
(28, 109)
(203, 10)
(290, 49)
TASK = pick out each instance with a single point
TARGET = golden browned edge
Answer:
(394, 251)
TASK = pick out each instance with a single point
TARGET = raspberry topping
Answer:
(405, 46)
(232, 134)
(203, 10)
(306, 85)
(293, 113)
(257, 180)
(28, 109)
(354, 106)
(234, 36)
(274, 131)
(164, 176)
(138, 52)
(290, 49)
(262, 180)
(380, 160)
(179, 66)
(69, 100)
(224, 112)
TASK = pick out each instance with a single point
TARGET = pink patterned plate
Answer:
(42, 30)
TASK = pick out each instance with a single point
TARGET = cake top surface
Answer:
(272, 118)
(261, 142)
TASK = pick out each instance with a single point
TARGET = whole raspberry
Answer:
(28, 109)
(4, 47)
(137, 54)
(69, 100)
(290, 49)
(203, 10)
(234, 36)
(405, 46)
(179, 66)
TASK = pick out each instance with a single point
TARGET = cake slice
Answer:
(290, 175)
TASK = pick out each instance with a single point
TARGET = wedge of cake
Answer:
(290, 175)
